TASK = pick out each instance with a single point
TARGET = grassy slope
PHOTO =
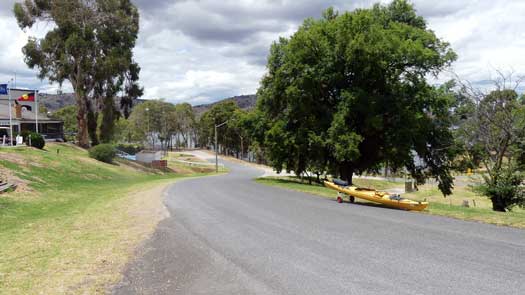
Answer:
(75, 220)
(438, 205)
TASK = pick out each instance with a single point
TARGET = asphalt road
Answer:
(229, 235)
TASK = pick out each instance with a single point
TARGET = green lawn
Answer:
(450, 206)
(72, 221)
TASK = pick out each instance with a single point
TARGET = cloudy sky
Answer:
(200, 51)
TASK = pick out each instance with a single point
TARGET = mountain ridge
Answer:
(245, 102)
(54, 102)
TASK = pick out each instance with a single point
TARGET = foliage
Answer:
(42, 109)
(159, 120)
(103, 152)
(36, 140)
(109, 116)
(123, 131)
(129, 148)
(232, 134)
(496, 125)
(184, 123)
(505, 189)
(69, 116)
(254, 125)
(90, 45)
(348, 92)
(25, 135)
(148, 119)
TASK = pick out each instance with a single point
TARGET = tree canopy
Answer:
(229, 134)
(348, 92)
(495, 125)
(68, 115)
(90, 45)
(159, 120)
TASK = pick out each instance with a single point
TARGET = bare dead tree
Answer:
(497, 125)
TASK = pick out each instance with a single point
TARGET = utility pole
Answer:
(216, 152)
(217, 147)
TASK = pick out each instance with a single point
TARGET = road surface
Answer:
(229, 235)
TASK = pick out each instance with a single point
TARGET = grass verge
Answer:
(439, 205)
(75, 222)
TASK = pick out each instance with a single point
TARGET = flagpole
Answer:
(36, 108)
(10, 115)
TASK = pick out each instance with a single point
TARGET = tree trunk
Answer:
(92, 125)
(82, 134)
(498, 205)
(107, 126)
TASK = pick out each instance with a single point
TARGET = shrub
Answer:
(130, 148)
(505, 190)
(35, 139)
(25, 135)
(103, 152)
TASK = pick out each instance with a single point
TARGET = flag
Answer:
(3, 89)
(27, 97)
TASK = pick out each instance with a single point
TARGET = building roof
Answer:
(27, 116)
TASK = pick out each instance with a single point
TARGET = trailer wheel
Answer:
(339, 199)
(352, 199)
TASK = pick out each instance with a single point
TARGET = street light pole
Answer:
(217, 147)
(147, 116)
(216, 152)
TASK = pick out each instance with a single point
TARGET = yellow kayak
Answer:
(372, 195)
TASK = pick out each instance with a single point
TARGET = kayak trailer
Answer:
(391, 200)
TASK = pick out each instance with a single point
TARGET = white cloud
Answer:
(486, 35)
(202, 50)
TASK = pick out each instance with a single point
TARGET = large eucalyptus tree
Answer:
(90, 45)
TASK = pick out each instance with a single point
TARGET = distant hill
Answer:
(245, 102)
(54, 102)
